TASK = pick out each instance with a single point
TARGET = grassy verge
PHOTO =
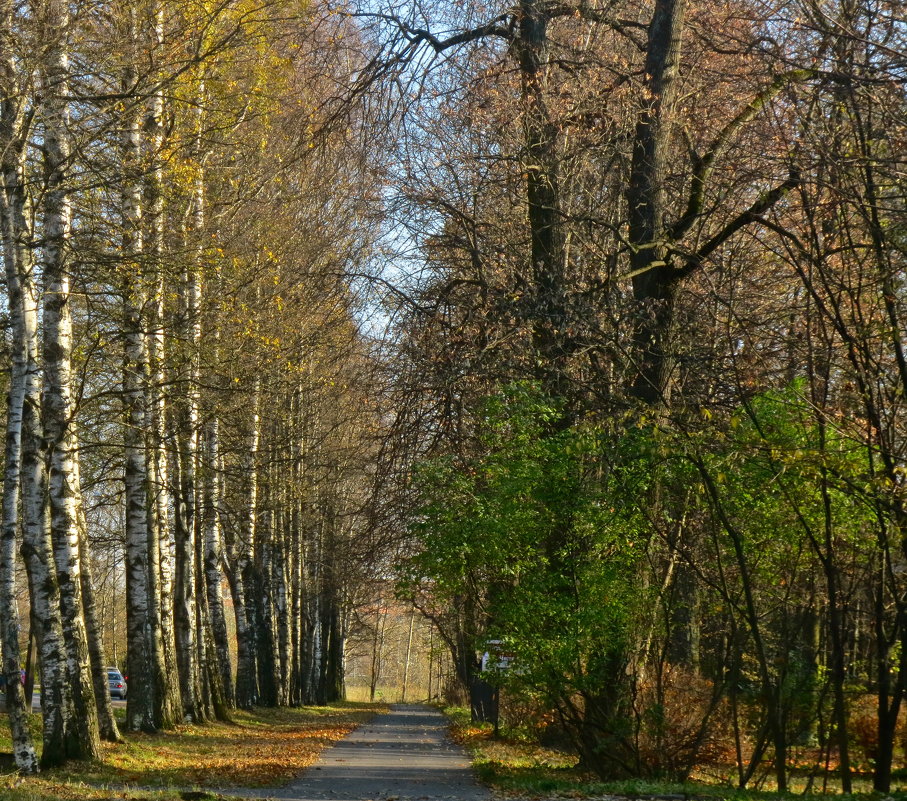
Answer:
(265, 747)
(515, 766)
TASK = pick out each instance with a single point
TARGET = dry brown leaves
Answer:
(267, 747)
(225, 756)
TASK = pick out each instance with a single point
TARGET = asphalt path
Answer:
(404, 755)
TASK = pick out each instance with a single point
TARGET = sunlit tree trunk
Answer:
(142, 700)
(64, 491)
(186, 437)
(169, 703)
(16, 256)
(61, 740)
(61, 735)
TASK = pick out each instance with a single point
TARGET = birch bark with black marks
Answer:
(188, 589)
(184, 550)
(141, 703)
(169, 704)
(212, 691)
(61, 740)
(64, 492)
(14, 232)
(61, 737)
(148, 31)
(207, 699)
(314, 612)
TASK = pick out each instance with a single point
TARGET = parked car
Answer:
(116, 683)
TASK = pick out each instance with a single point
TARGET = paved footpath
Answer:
(404, 755)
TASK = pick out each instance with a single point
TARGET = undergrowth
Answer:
(515, 765)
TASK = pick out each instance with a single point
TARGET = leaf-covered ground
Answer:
(518, 769)
(266, 747)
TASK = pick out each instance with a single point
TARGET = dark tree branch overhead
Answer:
(752, 215)
(704, 165)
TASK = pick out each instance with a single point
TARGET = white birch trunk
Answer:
(316, 597)
(141, 700)
(61, 742)
(61, 739)
(182, 475)
(297, 583)
(189, 588)
(161, 542)
(14, 234)
(57, 407)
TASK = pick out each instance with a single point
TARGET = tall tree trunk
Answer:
(214, 557)
(295, 589)
(409, 648)
(142, 702)
(182, 473)
(106, 721)
(64, 492)
(61, 739)
(247, 692)
(63, 489)
(654, 278)
(169, 709)
(281, 606)
(16, 703)
(547, 253)
(267, 659)
(14, 235)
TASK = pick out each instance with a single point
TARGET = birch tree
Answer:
(14, 126)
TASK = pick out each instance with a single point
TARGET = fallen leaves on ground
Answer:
(255, 758)
(264, 747)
